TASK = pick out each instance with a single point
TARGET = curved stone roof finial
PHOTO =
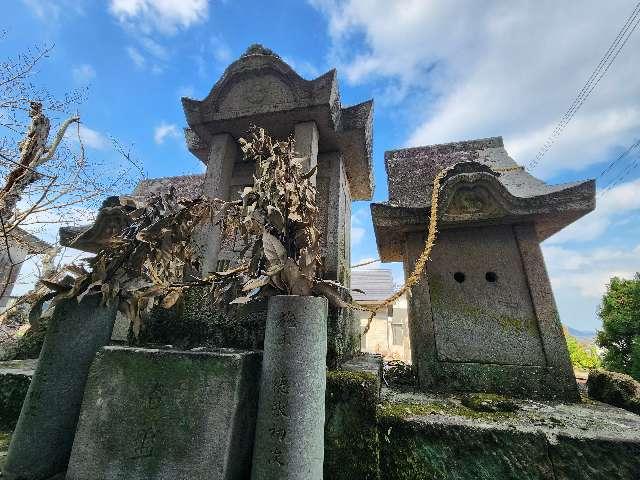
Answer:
(258, 49)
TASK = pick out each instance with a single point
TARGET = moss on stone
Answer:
(398, 411)
(437, 294)
(13, 390)
(148, 375)
(5, 439)
(351, 435)
(198, 322)
(488, 402)
(414, 450)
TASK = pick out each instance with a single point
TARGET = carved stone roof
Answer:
(90, 238)
(485, 186)
(188, 186)
(260, 88)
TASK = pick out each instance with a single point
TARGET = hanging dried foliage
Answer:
(153, 260)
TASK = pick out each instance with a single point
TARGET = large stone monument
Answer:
(261, 89)
(483, 318)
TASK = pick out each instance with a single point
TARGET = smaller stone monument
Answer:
(483, 318)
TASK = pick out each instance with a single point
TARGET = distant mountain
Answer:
(589, 335)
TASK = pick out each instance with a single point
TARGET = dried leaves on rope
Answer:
(153, 259)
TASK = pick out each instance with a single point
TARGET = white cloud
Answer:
(186, 91)
(154, 48)
(481, 69)
(90, 138)
(617, 204)
(357, 234)
(51, 11)
(579, 278)
(164, 131)
(221, 50)
(304, 68)
(136, 57)
(164, 16)
(150, 54)
(83, 74)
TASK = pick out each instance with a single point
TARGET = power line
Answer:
(620, 157)
(599, 72)
(622, 176)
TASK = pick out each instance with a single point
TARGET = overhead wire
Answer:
(596, 76)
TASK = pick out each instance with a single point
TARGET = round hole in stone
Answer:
(458, 277)
(491, 277)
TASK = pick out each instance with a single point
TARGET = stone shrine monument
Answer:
(261, 89)
(483, 318)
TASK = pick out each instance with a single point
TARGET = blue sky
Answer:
(438, 71)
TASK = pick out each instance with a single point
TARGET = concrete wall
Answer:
(380, 337)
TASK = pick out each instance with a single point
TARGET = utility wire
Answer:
(599, 72)
(622, 176)
(620, 157)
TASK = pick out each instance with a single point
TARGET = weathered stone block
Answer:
(15, 378)
(164, 414)
(615, 389)
(436, 436)
(5, 438)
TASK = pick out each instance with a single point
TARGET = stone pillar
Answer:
(42, 441)
(290, 428)
(549, 325)
(222, 156)
(306, 137)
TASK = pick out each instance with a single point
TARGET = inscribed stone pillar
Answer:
(306, 137)
(42, 441)
(222, 155)
(290, 429)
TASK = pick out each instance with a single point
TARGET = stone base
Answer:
(161, 414)
(436, 436)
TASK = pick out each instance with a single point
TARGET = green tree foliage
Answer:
(620, 335)
(582, 356)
